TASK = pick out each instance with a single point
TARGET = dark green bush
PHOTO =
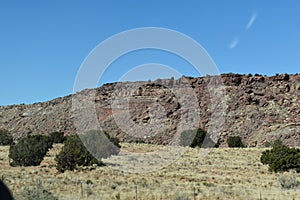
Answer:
(5, 138)
(281, 158)
(235, 141)
(29, 151)
(196, 138)
(57, 137)
(74, 152)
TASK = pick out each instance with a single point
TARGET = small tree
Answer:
(29, 151)
(74, 152)
(196, 138)
(235, 141)
(5, 138)
(281, 158)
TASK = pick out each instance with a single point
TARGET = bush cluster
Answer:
(30, 150)
(74, 152)
(5, 138)
(281, 158)
(235, 141)
(196, 138)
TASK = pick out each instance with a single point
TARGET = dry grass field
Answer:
(222, 174)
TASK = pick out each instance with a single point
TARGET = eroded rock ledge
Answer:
(258, 108)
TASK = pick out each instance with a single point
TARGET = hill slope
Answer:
(258, 108)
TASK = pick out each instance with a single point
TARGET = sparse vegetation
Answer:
(5, 138)
(29, 151)
(281, 158)
(37, 192)
(235, 141)
(289, 181)
(181, 196)
(196, 138)
(232, 174)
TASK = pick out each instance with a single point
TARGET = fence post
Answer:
(260, 195)
(81, 189)
(136, 192)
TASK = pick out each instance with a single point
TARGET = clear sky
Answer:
(43, 43)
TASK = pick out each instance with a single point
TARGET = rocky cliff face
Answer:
(258, 108)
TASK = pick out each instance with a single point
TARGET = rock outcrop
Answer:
(258, 108)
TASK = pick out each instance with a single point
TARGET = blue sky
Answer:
(43, 43)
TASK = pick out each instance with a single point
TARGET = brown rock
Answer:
(254, 105)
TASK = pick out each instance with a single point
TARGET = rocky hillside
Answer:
(258, 108)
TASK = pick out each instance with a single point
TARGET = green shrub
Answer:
(281, 158)
(235, 141)
(5, 138)
(74, 152)
(29, 151)
(196, 138)
(57, 137)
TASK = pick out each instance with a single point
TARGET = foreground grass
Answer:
(222, 174)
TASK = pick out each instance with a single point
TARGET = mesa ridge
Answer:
(258, 108)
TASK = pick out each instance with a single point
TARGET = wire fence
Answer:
(84, 190)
